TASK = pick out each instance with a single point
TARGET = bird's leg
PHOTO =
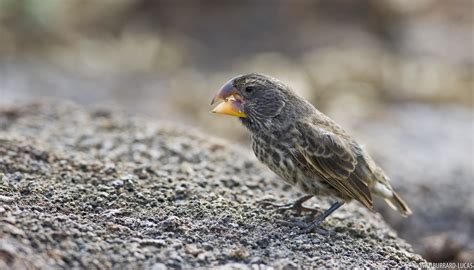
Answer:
(322, 217)
(306, 228)
(296, 205)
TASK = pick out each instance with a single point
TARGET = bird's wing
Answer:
(332, 159)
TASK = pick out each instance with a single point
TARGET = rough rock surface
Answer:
(96, 189)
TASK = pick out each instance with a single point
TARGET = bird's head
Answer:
(258, 100)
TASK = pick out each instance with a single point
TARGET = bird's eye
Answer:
(249, 89)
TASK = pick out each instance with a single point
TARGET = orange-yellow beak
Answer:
(231, 101)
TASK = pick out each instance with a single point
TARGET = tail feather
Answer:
(397, 203)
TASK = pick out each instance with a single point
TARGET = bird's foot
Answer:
(295, 206)
(305, 228)
(316, 224)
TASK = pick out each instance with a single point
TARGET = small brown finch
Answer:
(304, 147)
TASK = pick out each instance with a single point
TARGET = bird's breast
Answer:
(275, 153)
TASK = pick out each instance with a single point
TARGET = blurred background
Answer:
(397, 73)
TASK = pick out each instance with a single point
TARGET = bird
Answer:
(304, 147)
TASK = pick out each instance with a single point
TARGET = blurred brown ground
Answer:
(164, 59)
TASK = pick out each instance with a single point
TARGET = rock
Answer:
(186, 206)
(159, 266)
(6, 199)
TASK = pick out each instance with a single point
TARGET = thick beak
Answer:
(232, 101)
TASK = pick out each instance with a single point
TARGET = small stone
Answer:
(9, 228)
(117, 183)
(159, 266)
(193, 249)
(6, 199)
(153, 242)
(288, 265)
(239, 253)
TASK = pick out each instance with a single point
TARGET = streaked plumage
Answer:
(305, 147)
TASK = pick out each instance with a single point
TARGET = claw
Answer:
(316, 224)
(296, 205)
(279, 207)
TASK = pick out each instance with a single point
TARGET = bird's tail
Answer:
(397, 203)
(386, 191)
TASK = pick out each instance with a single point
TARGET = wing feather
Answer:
(332, 159)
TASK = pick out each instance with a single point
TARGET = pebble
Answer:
(6, 199)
